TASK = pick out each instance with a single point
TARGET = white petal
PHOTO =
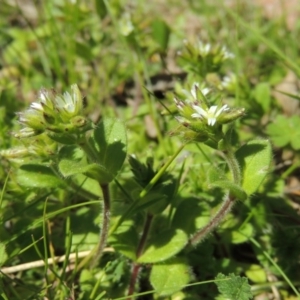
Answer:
(207, 48)
(223, 108)
(212, 110)
(37, 106)
(205, 91)
(211, 121)
(200, 111)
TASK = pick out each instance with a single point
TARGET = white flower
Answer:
(228, 81)
(226, 53)
(204, 48)
(193, 91)
(211, 114)
(36, 106)
(126, 26)
(69, 104)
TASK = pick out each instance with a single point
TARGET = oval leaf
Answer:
(3, 254)
(38, 176)
(125, 240)
(170, 277)
(109, 142)
(235, 189)
(71, 161)
(255, 158)
(164, 246)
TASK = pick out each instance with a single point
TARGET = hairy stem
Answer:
(136, 267)
(228, 202)
(214, 221)
(105, 224)
(233, 165)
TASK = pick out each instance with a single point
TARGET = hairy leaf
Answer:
(109, 143)
(234, 287)
(164, 246)
(38, 176)
(255, 158)
(170, 277)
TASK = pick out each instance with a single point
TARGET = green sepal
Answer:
(65, 139)
(254, 158)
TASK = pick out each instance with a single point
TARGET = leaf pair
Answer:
(106, 150)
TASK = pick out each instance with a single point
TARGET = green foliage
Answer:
(262, 95)
(109, 150)
(170, 277)
(161, 34)
(3, 254)
(26, 177)
(234, 287)
(284, 131)
(255, 158)
(190, 201)
(163, 246)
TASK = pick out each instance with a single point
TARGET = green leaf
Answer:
(243, 234)
(98, 173)
(254, 158)
(101, 8)
(235, 189)
(190, 215)
(125, 239)
(161, 33)
(3, 254)
(170, 277)
(215, 174)
(262, 95)
(285, 130)
(109, 142)
(234, 287)
(71, 161)
(257, 274)
(38, 176)
(164, 245)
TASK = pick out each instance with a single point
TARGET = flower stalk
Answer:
(202, 122)
(227, 204)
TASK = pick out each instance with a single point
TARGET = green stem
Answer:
(88, 150)
(136, 266)
(232, 164)
(105, 224)
(228, 202)
(214, 221)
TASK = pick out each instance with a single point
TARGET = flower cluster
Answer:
(39, 146)
(220, 52)
(198, 116)
(204, 58)
(57, 115)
